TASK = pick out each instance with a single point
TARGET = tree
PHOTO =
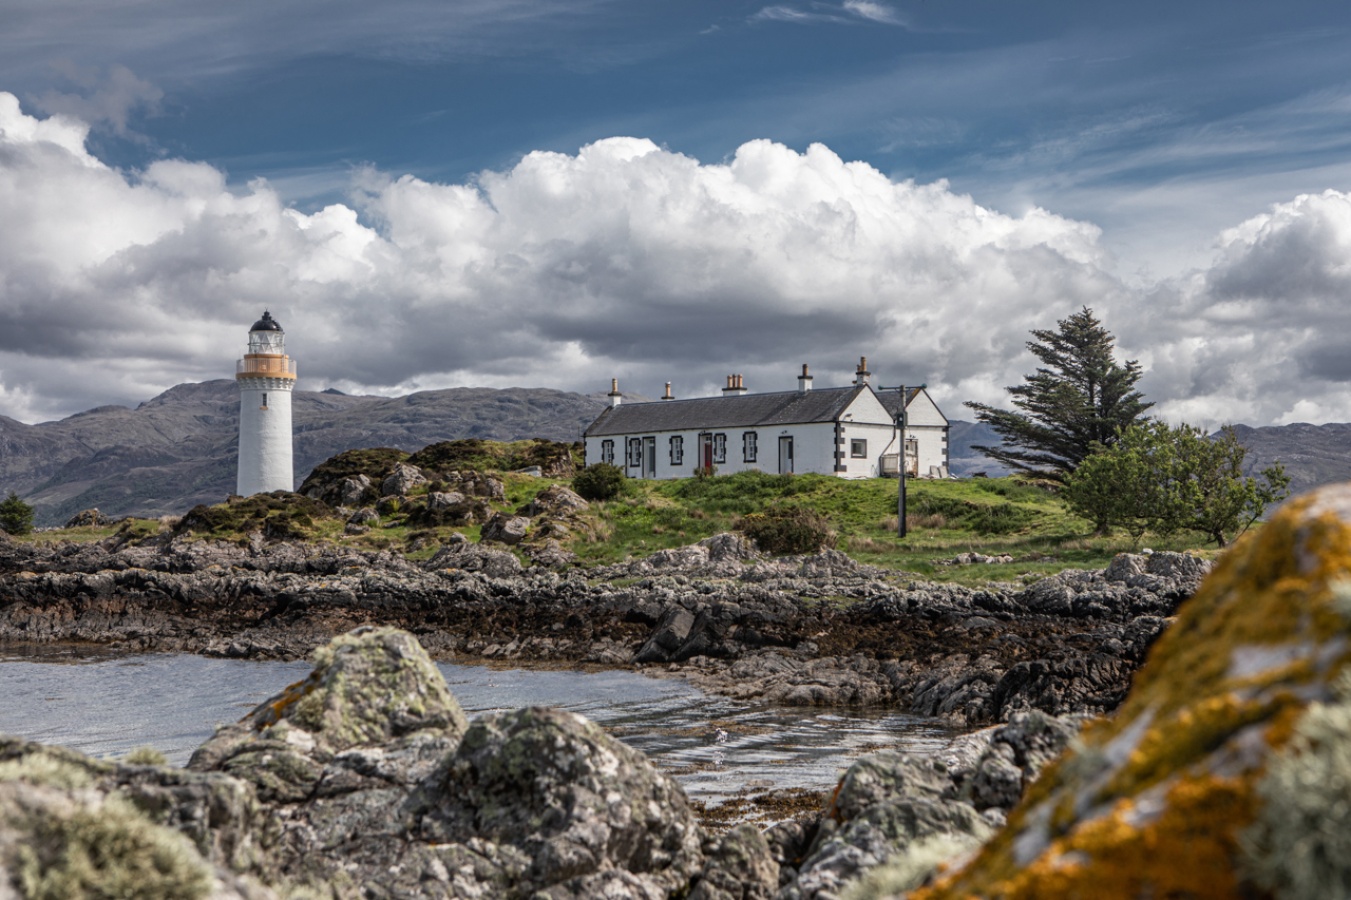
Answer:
(1166, 479)
(1081, 397)
(16, 517)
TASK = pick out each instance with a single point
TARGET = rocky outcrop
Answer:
(365, 780)
(1225, 772)
(895, 815)
(807, 630)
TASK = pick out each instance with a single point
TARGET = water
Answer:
(104, 704)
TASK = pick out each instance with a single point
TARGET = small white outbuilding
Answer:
(850, 431)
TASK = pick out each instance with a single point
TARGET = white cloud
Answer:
(848, 12)
(625, 260)
(102, 99)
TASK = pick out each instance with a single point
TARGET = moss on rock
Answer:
(1159, 798)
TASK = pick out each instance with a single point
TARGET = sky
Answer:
(442, 193)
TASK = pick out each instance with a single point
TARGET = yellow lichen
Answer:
(1161, 815)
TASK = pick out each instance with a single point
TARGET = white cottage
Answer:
(846, 431)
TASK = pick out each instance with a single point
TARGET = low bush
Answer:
(784, 530)
(599, 481)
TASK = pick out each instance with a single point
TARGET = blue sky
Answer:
(1137, 158)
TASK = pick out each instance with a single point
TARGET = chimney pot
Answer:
(667, 395)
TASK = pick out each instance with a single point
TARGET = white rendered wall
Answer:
(264, 436)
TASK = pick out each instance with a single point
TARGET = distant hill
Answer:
(179, 449)
(1312, 454)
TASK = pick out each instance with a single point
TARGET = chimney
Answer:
(804, 381)
(667, 395)
(735, 386)
(614, 392)
(862, 375)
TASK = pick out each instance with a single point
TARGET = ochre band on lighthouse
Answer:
(266, 377)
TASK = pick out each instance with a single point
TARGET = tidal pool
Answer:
(105, 703)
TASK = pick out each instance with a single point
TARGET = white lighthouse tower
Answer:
(266, 376)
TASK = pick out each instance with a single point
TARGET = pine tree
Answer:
(16, 517)
(1079, 397)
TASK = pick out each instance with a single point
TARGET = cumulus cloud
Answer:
(623, 260)
(102, 98)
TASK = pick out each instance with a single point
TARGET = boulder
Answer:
(365, 780)
(503, 529)
(555, 500)
(402, 480)
(1224, 773)
(88, 518)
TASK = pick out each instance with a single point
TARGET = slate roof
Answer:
(737, 411)
(891, 400)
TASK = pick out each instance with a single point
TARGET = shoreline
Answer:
(818, 630)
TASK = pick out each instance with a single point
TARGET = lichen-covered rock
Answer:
(885, 805)
(565, 806)
(71, 829)
(88, 518)
(555, 500)
(508, 530)
(1225, 772)
(370, 686)
(402, 480)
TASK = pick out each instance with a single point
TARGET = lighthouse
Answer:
(266, 376)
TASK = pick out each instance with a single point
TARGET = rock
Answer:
(439, 500)
(510, 530)
(469, 557)
(402, 480)
(364, 780)
(554, 803)
(1223, 773)
(88, 518)
(887, 804)
(355, 491)
(555, 500)
(75, 827)
(370, 686)
(364, 516)
(550, 555)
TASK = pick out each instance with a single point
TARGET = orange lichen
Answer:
(1185, 734)
(1188, 850)
(271, 713)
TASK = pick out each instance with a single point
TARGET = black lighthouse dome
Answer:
(266, 323)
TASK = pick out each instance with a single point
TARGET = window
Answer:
(748, 446)
(720, 448)
(858, 448)
(607, 452)
(677, 450)
(635, 452)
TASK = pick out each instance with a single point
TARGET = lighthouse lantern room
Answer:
(266, 377)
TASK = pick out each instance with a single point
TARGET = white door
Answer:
(786, 455)
(649, 457)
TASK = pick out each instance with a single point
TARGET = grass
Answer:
(991, 516)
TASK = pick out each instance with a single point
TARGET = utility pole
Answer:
(900, 456)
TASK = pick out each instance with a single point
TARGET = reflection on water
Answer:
(106, 704)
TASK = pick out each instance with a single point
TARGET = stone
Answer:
(354, 491)
(88, 518)
(364, 516)
(1193, 786)
(401, 481)
(503, 529)
(555, 500)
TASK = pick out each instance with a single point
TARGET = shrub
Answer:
(599, 481)
(783, 530)
(16, 517)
